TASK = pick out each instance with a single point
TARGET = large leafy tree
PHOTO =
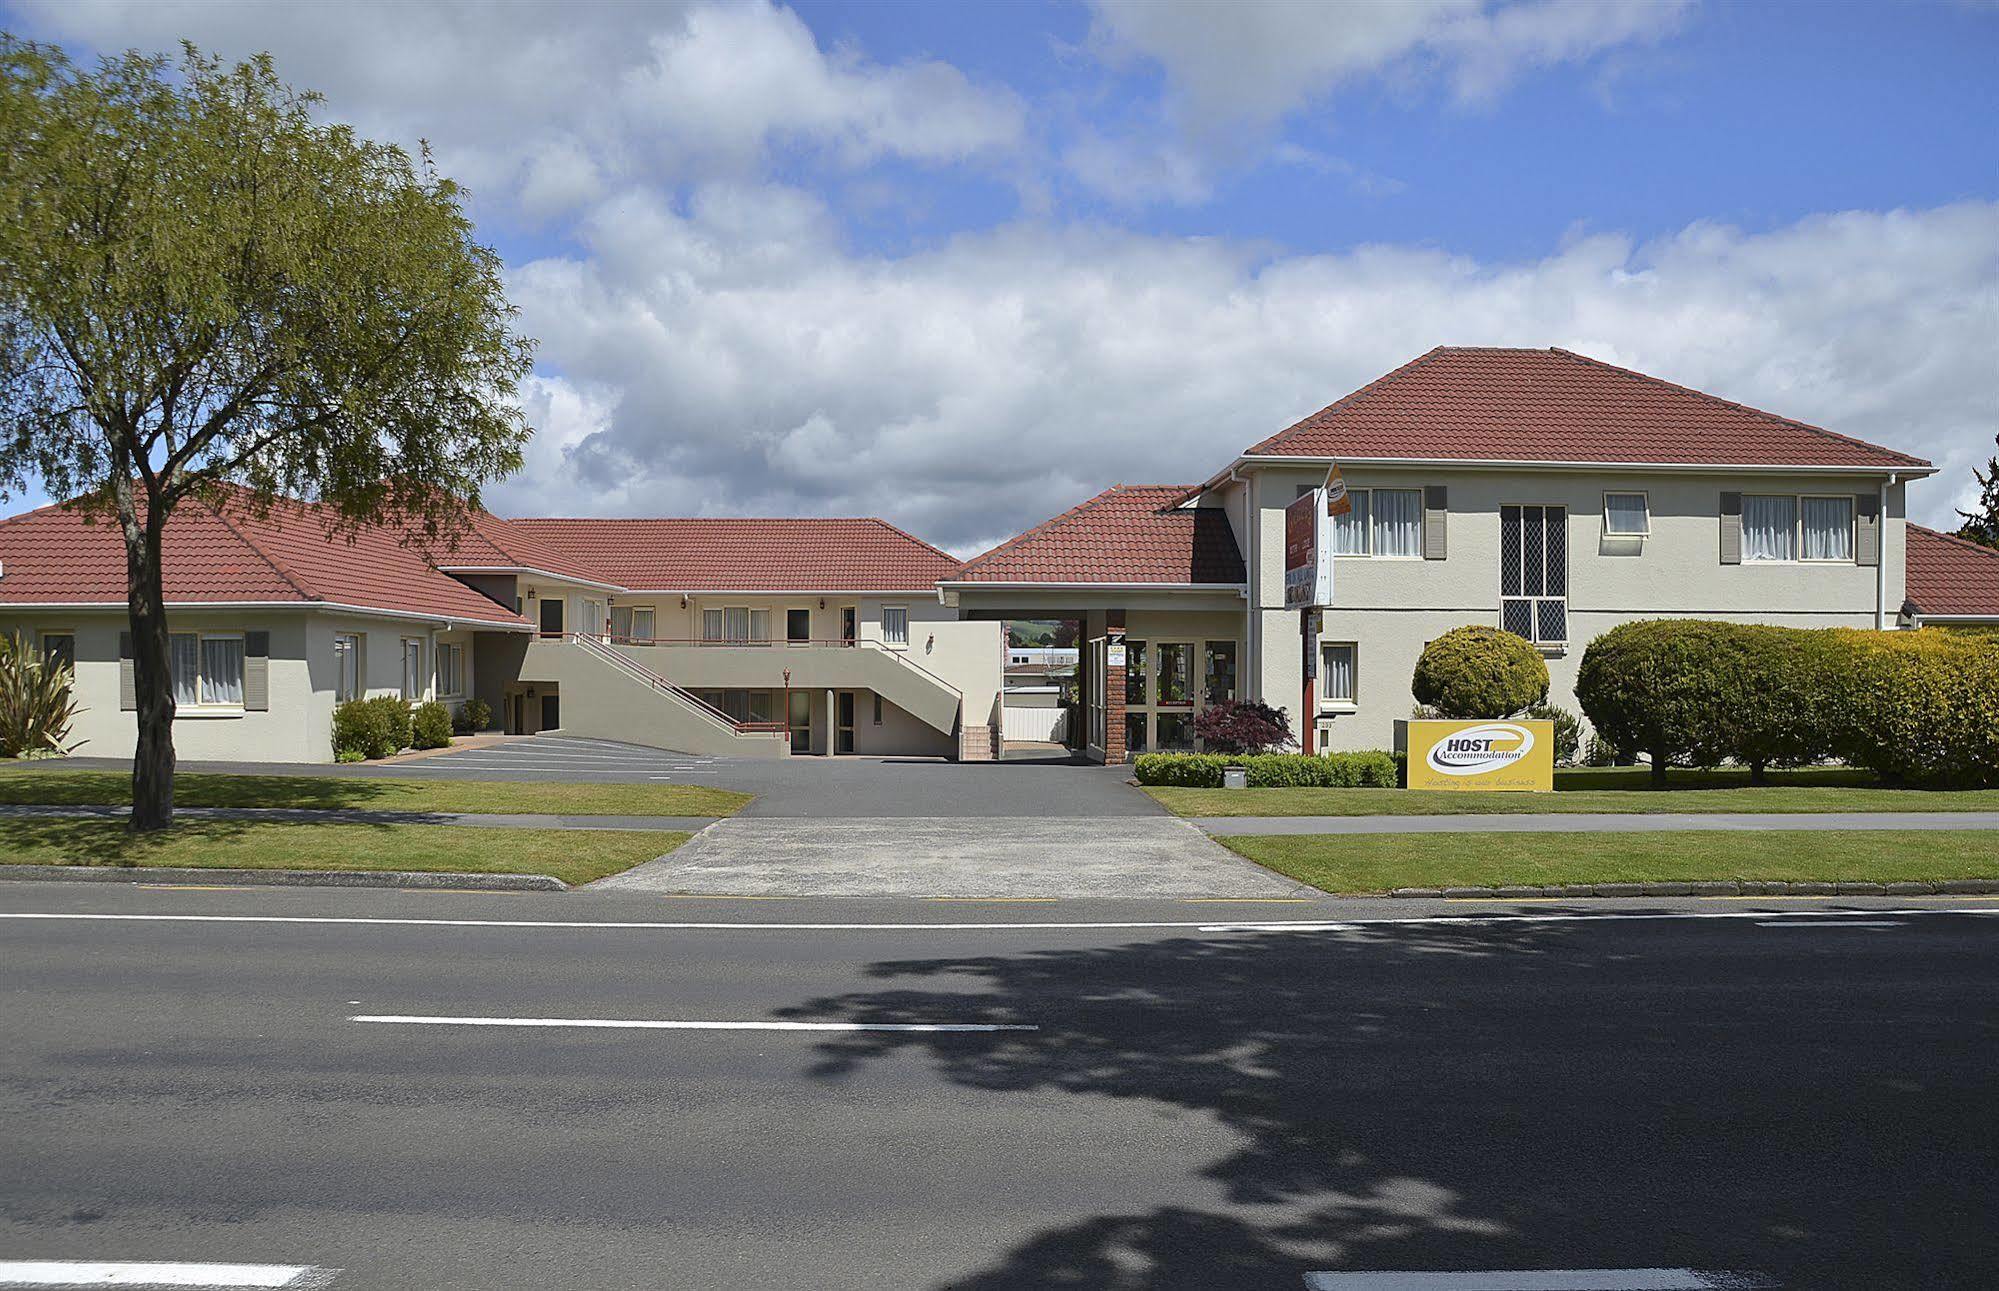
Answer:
(1982, 525)
(203, 288)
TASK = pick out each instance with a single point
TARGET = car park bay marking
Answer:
(644, 1024)
(1540, 1280)
(105, 1273)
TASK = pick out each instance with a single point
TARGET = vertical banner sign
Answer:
(1337, 501)
(1308, 553)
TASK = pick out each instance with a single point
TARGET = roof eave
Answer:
(338, 607)
(1910, 470)
(530, 569)
(960, 585)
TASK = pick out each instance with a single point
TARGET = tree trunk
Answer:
(1756, 773)
(1658, 769)
(152, 669)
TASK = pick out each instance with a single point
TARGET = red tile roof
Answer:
(492, 543)
(1127, 534)
(789, 555)
(1460, 403)
(218, 554)
(1951, 577)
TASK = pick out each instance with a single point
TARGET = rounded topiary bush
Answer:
(1668, 688)
(1479, 672)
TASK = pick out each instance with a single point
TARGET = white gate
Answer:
(1046, 725)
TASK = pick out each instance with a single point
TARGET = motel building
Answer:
(1541, 491)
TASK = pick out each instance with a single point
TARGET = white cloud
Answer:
(552, 104)
(980, 387)
(1254, 61)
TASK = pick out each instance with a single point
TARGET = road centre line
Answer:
(1205, 925)
(1538, 1280)
(1791, 922)
(639, 1024)
(105, 1273)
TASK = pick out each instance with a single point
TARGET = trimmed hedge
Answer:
(370, 728)
(1921, 707)
(430, 726)
(1479, 673)
(1365, 770)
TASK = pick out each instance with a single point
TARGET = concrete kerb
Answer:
(1724, 888)
(171, 874)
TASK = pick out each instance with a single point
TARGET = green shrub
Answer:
(1568, 730)
(1785, 703)
(1479, 672)
(1665, 687)
(1370, 769)
(37, 701)
(1598, 752)
(430, 726)
(473, 715)
(394, 715)
(1919, 706)
(370, 728)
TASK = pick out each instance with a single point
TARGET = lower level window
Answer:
(412, 669)
(347, 667)
(1176, 732)
(450, 669)
(207, 668)
(1336, 672)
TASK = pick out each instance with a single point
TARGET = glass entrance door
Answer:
(843, 735)
(798, 717)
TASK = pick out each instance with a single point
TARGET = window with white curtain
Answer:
(1336, 672)
(733, 623)
(1769, 526)
(713, 626)
(1381, 522)
(185, 656)
(642, 623)
(207, 670)
(222, 670)
(895, 624)
(1398, 521)
(1625, 515)
(1350, 531)
(1825, 528)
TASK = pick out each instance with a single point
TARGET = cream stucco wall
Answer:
(298, 725)
(1391, 607)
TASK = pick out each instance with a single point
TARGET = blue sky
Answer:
(962, 265)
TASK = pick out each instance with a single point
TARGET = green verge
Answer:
(1588, 789)
(32, 784)
(572, 855)
(1380, 862)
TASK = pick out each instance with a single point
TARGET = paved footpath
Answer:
(1616, 822)
(362, 816)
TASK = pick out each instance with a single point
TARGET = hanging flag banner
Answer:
(1308, 553)
(1337, 501)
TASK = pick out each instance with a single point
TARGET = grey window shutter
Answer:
(1731, 528)
(1867, 530)
(257, 671)
(1436, 520)
(128, 685)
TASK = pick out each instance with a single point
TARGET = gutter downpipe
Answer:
(1881, 557)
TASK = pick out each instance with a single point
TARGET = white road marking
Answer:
(1537, 1280)
(1204, 925)
(635, 1024)
(1788, 922)
(98, 1273)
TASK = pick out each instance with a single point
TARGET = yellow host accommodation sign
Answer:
(1515, 755)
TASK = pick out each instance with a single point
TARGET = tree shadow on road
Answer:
(1553, 1095)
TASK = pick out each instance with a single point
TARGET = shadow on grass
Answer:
(109, 841)
(1612, 1095)
(1640, 778)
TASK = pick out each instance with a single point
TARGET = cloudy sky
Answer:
(962, 266)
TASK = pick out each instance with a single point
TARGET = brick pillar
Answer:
(1114, 748)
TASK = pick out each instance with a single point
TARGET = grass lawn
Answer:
(1379, 862)
(572, 855)
(1620, 789)
(37, 784)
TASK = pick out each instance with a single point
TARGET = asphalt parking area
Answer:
(559, 757)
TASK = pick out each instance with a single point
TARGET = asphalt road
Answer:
(1803, 1096)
